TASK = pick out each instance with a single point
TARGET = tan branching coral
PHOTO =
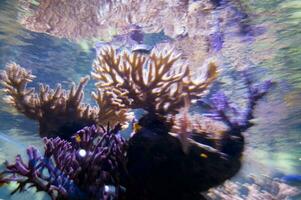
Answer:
(157, 83)
(15, 79)
(107, 111)
(58, 111)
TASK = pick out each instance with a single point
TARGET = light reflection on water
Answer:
(273, 144)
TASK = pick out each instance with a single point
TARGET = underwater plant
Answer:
(171, 154)
(81, 169)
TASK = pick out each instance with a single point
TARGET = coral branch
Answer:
(58, 111)
(64, 173)
(224, 123)
(53, 109)
(158, 83)
(237, 119)
(15, 80)
(30, 174)
(108, 112)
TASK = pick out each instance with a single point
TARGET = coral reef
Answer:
(170, 150)
(69, 19)
(197, 29)
(59, 112)
(157, 83)
(253, 189)
(113, 21)
(193, 49)
(102, 19)
(223, 118)
(80, 169)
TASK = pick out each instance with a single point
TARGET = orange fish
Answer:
(77, 138)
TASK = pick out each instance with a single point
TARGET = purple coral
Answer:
(65, 172)
(238, 119)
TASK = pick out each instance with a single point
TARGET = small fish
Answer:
(136, 115)
(77, 138)
(203, 155)
(141, 48)
(137, 127)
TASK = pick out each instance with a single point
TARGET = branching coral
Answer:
(216, 142)
(238, 119)
(66, 173)
(107, 111)
(223, 117)
(157, 83)
(153, 162)
(207, 153)
(58, 111)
